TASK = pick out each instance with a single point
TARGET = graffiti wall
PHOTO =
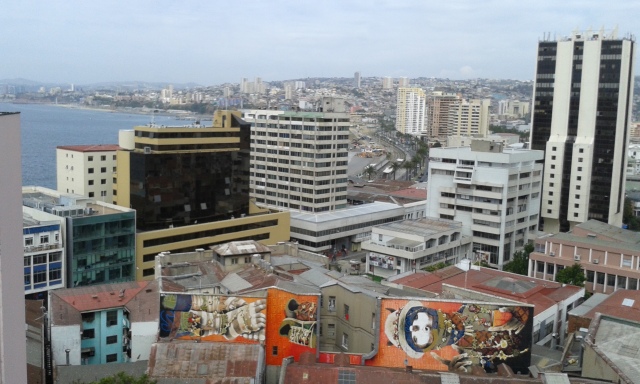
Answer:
(292, 327)
(453, 335)
(213, 318)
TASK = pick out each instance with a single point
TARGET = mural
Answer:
(454, 335)
(213, 318)
(292, 327)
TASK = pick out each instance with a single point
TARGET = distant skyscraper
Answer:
(437, 121)
(387, 82)
(227, 92)
(469, 118)
(403, 82)
(13, 348)
(356, 80)
(410, 111)
(288, 92)
(582, 109)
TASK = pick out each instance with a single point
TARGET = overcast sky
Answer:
(213, 42)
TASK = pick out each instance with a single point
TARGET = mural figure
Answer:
(299, 325)
(202, 316)
(478, 334)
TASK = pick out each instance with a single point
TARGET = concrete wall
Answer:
(65, 337)
(143, 335)
(594, 367)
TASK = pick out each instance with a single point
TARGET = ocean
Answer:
(44, 127)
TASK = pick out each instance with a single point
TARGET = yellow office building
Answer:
(190, 188)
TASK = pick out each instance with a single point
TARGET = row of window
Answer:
(44, 239)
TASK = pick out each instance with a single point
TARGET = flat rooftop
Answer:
(351, 212)
(90, 148)
(422, 227)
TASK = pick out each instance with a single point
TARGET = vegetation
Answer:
(571, 275)
(121, 378)
(370, 171)
(520, 262)
(435, 267)
(628, 218)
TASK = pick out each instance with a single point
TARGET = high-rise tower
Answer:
(410, 111)
(581, 114)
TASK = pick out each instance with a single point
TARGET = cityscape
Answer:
(350, 228)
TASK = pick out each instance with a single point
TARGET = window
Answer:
(27, 261)
(579, 169)
(91, 194)
(103, 170)
(103, 193)
(28, 241)
(576, 205)
(581, 150)
(112, 358)
(88, 334)
(112, 339)
(55, 274)
(373, 321)
(345, 341)
(103, 181)
(114, 157)
(553, 157)
(331, 330)
(44, 239)
(234, 260)
(346, 377)
(579, 159)
(274, 351)
(40, 277)
(550, 193)
(577, 196)
(346, 312)
(90, 158)
(578, 178)
(332, 304)
(90, 170)
(553, 149)
(90, 182)
(103, 158)
(112, 318)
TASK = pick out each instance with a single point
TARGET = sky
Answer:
(212, 42)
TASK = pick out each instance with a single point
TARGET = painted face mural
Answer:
(456, 335)
(213, 318)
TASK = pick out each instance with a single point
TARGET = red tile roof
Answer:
(542, 293)
(102, 296)
(411, 193)
(612, 306)
(90, 148)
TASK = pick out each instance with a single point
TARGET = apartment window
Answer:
(112, 318)
(553, 166)
(91, 194)
(274, 351)
(103, 181)
(578, 178)
(346, 312)
(579, 169)
(55, 274)
(234, 260)
(27, 261)
(553, 149)
(575, 214)
(540, 265)
(114, 157)
(345, 341)
(112, 358)
(90, 182)
(103, 193)
(28, 241)
(549, 201)
(331, 330)
(103, 169)
(577, 187)
(611, 280)
(90, 158)
(576, 205)
(581, 150)
(88, 334)
(577, 196)
(590, 276)
(44, 239)
(103, 158)
(90, 170)
(332, 304)
(551, 184)
(112, 339)
(553, 157)
(550, 193)
(552, 176)
(579, 159)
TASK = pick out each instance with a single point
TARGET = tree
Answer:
(394, 167)
(571, 275)
(408, 167)
(520, 262)
(436, 145)
(628, 218)
(121, 378)
(435, 267)
(370, 171)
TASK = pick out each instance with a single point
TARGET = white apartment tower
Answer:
(494, 192)
(581, 115)
(410, 111)
(87, 170)
(403, 82)
(469, 118)
(13, 347)
(299, 159)
(387, 82)
(356, 80)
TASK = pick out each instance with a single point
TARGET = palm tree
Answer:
(407, 166)
(394, 167)
(370, 170)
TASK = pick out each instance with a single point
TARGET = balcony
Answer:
(40, 248)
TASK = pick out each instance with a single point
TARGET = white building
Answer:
(581, 114)
(495, 193)
(299, 159)
(387, 82)
(87, 170)
(410, 111)
(403, 82)
(407, 245)
(356, 80)
(513, 109)
(469, 118)
(13, 346)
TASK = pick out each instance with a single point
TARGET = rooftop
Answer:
(623, 304)
(90, 148)
(351, 212)
(425, 227)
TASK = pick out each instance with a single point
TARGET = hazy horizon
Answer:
(213, 43)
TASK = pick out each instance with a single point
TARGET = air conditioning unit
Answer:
(576, 257)
(552, 253)
(147, 150)
(596, 261)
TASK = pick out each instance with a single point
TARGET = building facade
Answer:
(407, 245)
(513, 109)
(86, 170)
(299, 159)
(608, 255)
(410, 111)
(99, 240)
(495, 193)
(13, 349)
(190, 186)
(44, 252)
(437, 120)
(469, 118)
(581, 114)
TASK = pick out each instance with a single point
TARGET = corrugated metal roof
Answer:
(235, 283)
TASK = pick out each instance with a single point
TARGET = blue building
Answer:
(44, 252)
